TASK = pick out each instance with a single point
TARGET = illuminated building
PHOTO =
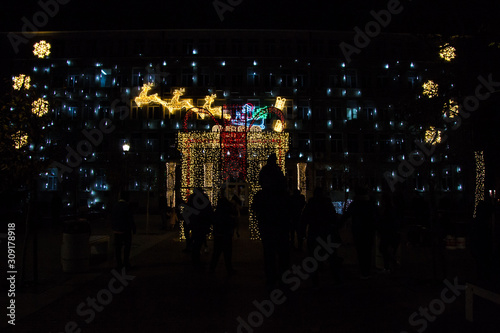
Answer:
(341, 123)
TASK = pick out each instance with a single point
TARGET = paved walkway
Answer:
(163, 293)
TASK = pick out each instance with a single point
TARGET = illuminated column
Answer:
(170, 185)
(301, 178)
(480, 176)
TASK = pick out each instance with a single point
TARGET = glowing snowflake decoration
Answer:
(40, 107)
(41, 49)
(450, 109)
(20, 139)
(430, 89)
(447, 52)
(20, 81)
(432, 136)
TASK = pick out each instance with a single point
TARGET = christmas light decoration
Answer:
(432, 136)
(20, 81)
(480, 176)
(20, 139)
(278, 126)
(175, 104)
(301, 178)
(41, 49)
(239, 152)
(430, 89)
(450, 109)
(447, 52)
(40, 107)
(280, 103)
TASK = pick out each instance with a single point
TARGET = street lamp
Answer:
(126, 147)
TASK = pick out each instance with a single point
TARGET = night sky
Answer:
(446, 17)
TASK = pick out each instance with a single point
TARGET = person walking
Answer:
(320, 220)
(363, 213)
(224, 223)
(123, 226)
(272, 211)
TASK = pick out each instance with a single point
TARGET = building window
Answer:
(253, 77)
(352, 113)
(336, 143)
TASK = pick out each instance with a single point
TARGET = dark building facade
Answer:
(353, 118)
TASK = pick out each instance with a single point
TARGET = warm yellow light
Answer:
(280, 103)
(20, 139)
(450, 109)
(432, 136)
(480, 176)
(201, 164)
(430, 89)
(447, 52)
(301, 178)
(278, 126)
(20, 81)
(41, 49)
(216, 111)
(40, 107)
(175, 104)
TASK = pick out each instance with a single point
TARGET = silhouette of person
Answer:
(224, 223)
(297, 203)
(388, 232)
(271, 209)
(199, 222)
(363, 213)
(319, 218)
(123, 225)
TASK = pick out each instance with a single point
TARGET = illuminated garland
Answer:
(41, 49)
(301, 178)
(40, 107)
(447, 52)
(430, 89)
(480, 176)
(20, 81)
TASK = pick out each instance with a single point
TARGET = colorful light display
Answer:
(430, 89)
(229, 151)
(21, 81)
(40, 107)
(41, 49)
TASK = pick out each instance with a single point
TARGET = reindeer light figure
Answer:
(173, 105)
(144, 99)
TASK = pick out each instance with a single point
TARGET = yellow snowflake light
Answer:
(432, 136)
(447, 52)
(430, 89)
(40, 107)
(450, 109)
(20, 139)
(41, 49)
(20, 81)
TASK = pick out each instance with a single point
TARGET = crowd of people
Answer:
(285, 222)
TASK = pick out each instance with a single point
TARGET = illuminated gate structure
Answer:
(237, 149)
